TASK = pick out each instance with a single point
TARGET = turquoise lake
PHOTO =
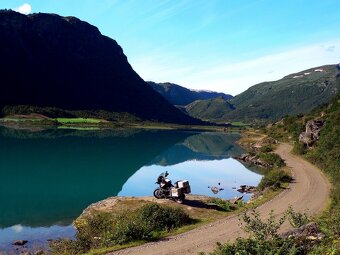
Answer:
(48, 177)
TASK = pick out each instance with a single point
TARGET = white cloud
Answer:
(236, 77)
(24, 9)
(17, 228)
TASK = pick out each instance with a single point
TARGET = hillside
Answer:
(178, 95)
(53, 61)
(325, 153)
(296, 93)
(212, 109)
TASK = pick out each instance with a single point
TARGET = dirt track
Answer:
(309, 191)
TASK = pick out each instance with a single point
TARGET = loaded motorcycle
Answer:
(167, 190)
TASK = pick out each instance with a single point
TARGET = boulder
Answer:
(312, 132)
(234, 200)
(309, 231)
(20, 242)
(247, 189)
(253, 159)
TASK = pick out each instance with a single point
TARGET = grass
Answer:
(239, 124)
(78, 120)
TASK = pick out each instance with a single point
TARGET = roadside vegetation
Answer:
(265, 237)
(104, 229)
(325, 153)
(261, 153)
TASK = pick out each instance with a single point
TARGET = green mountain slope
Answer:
(212, 109)
(296, 93)
(178, 95)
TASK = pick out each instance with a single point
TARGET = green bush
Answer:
(262, 230)
(265, 239)
(104, 229)
(244, 246)
(130, 227)
(266, 148)
(296, 219)
(299, 148)
(162, 217)
(272, 158)
(274, 179)
(223, 204)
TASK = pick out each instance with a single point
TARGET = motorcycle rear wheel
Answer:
(180, 199)
(157, 193)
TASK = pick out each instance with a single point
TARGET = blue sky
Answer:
(222, 45)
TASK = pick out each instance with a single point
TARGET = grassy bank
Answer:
(134, 221)
(325, 153)
(36, 120)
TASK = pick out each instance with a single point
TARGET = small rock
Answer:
(214, 190)
(20, 242)
(311, 238)
(40, 252)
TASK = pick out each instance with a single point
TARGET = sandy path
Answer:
(310, 191)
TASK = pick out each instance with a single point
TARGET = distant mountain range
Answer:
(178, 95)
(296, 93)
(53, 61)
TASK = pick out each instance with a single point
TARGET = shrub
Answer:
(265, 239)
(249, 246)
(163, 217)
(130, 227)
(266, 148)
(272, 159)
(299, 148)
(274, 179)
(260, 229)
(104, 229)
(95, 231)
(296, 219)
(223, 204)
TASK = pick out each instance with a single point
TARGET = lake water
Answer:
(47, 177)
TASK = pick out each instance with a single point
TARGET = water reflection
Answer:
(203, 159)
(49, 176)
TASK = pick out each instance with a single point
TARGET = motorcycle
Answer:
(167, 190)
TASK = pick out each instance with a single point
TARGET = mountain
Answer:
(178, 95)
(296, 93)
(53, 61)
(211, 109)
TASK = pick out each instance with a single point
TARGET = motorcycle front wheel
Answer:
(157, 193)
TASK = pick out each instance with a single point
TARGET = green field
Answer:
(78, 120)
(239, 124)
